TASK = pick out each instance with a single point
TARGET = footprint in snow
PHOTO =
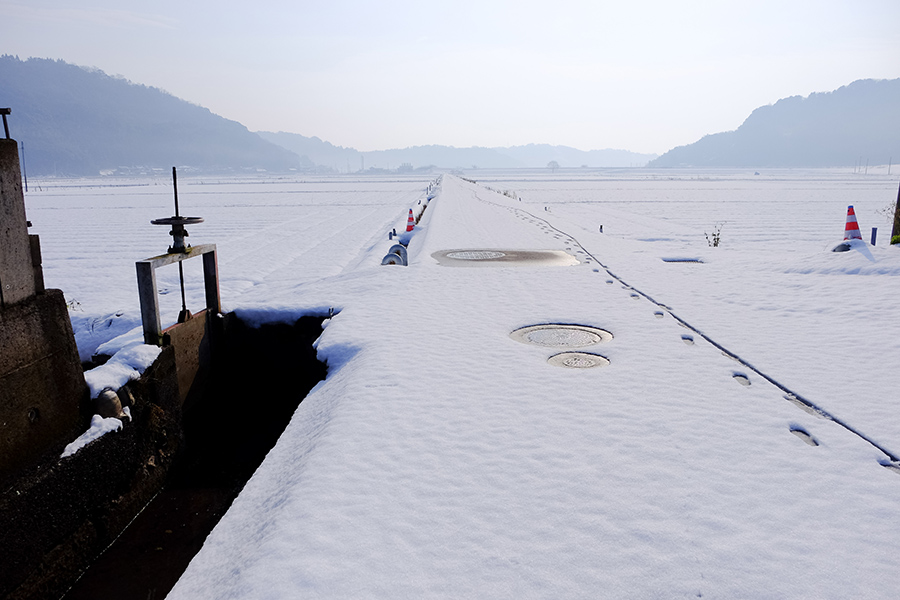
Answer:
(804, 435)
(658, 315)
(807, 407)
(689, 340)
(741, 379)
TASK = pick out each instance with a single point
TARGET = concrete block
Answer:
(16, 267)
(42, 384)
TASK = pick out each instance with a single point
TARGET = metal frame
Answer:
(149, 295)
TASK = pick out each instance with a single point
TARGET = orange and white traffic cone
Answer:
(851, 229)
(410, 222)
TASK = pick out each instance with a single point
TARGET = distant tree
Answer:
(553, 165)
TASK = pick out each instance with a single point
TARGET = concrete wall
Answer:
(42, 385)
(16, 269)
(57, 517)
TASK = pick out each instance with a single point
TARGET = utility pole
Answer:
(24, 172)
(895, 232)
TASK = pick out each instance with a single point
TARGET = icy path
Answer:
(443, 459)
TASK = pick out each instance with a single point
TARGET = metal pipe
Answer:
(175, 186)
(24, 171)
(181, 279)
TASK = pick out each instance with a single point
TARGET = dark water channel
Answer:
(259, 377)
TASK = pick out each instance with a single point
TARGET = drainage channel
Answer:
(258, 379)
(790, 395)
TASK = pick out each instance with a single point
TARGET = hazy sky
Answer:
(639, 75)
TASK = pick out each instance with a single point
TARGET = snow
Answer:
(126, 364)
(99, 427)
(442, 458)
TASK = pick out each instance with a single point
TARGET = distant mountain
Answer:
(860, 121)
(532, 155)
(77, 121)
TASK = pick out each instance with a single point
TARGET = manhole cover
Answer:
(561, 336)
(578, 360)
(475, 255)
(503, 257)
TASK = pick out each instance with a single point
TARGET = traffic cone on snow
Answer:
(851, 229)
(410, 222)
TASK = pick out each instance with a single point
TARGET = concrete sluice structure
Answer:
(189, 443)
(41, 383)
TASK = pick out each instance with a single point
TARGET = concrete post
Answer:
(16, 267)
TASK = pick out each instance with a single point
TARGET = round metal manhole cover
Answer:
(578, 360)
(502, 257)
(561, 336)
(476, 255)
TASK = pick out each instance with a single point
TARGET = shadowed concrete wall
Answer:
(56, 517)
(41, 381)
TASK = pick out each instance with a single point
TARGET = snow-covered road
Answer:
(444, 459)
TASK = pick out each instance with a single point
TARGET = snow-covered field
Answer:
(93, 231)
(441, 458)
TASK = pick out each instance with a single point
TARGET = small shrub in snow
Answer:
(713, 238)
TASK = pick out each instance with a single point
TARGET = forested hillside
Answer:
(76, 121)
(855, 123)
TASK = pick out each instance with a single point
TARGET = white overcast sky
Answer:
(638, 75)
